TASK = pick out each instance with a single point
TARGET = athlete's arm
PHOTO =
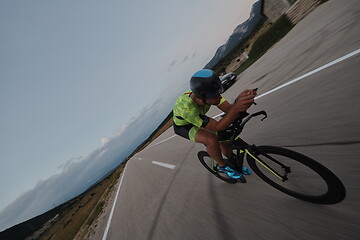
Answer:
(241, 105)
(225, 106)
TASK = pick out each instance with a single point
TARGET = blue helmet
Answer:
(205, 84)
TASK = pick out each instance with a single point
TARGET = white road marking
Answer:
(312, 72)
(164, 164)
(307, 74)
(113, 207)
(162, 141)
(218, 115)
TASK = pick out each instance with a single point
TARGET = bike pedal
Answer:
(242, 179)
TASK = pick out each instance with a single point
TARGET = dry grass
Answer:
(82, 211)
(166, 126)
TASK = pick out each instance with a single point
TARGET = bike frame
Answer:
(266, 162)
(243, 148)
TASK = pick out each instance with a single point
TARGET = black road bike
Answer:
(288, 171)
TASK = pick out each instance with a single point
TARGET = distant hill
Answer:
(241, 32)
(25, 229)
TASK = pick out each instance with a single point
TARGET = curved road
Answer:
(318, 116)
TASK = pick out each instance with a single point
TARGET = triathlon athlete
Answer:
(191, 122)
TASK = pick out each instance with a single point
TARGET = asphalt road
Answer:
(318, 116)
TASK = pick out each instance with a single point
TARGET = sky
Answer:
(83, 83)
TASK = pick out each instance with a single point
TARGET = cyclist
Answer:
(190, 121)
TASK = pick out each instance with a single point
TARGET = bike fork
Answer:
(283, 178)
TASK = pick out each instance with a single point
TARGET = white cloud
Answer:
(84, 171)
(121, 129)
(104, 141)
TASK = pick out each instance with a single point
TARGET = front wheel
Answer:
(298, 175)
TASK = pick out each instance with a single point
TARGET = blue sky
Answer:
(82, 83)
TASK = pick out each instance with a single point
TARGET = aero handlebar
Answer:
(238, 125)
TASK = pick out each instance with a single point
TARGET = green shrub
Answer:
(265, 41)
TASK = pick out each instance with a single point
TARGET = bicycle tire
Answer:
(334, 191)
(204, 158)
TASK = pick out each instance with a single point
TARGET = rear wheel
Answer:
(210, 164)
(303, 177)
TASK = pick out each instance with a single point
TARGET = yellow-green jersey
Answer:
(189, 117)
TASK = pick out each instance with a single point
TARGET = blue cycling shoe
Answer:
(231, 172)
(246, 171)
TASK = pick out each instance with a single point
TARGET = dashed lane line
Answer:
(164, 164)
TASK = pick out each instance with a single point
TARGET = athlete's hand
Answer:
(244, 100)
(246, 93)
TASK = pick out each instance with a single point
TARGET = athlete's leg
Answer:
(212, 145)
(225, 149)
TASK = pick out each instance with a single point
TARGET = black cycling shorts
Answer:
(183, 131)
